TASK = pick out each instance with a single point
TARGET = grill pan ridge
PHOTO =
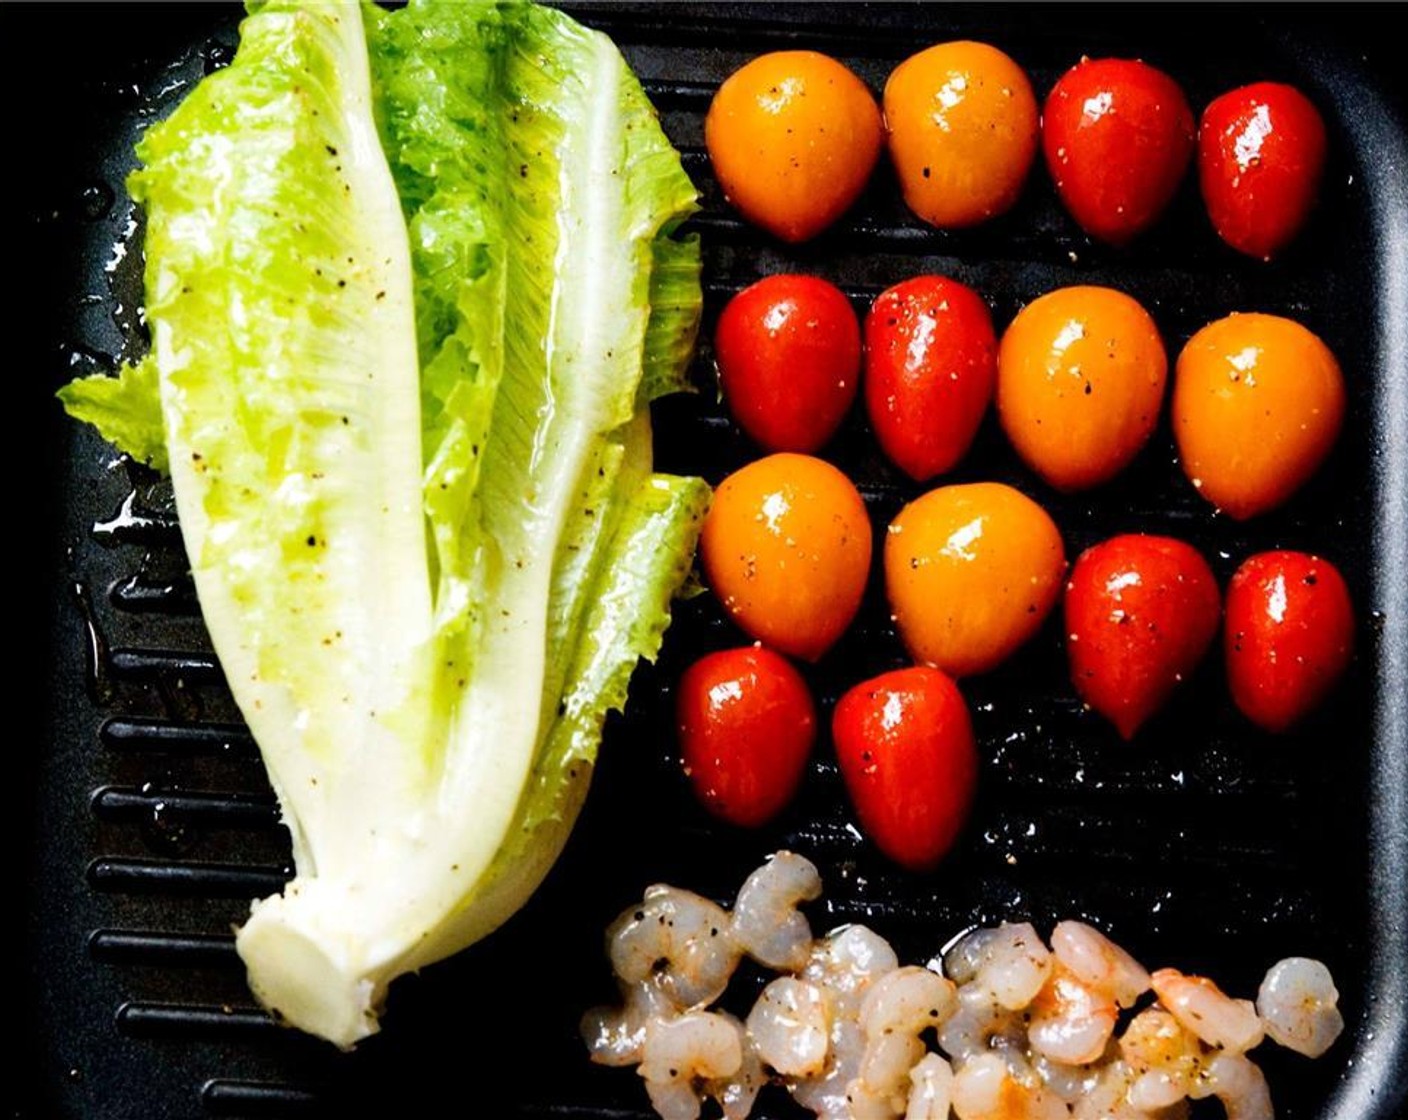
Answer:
(1203, 844)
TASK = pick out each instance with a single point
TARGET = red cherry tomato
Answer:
(1261, 152)
(1289, 635)
(931, 361)
(905, 746)
(747, 724)
(788, 350)
(1118, 135)
(1141, 612)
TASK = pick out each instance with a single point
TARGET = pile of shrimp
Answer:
(1026, 1030)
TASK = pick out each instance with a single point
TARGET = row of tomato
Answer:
(971, 573)
(1079, 381)
(793, 137)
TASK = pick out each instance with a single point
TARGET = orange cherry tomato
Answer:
(971, 572)
(1080, 382)
(793, 137)
(1257, 404)
(962, 124)
(786, 548)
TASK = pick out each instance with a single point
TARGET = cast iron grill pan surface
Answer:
(1203, 844)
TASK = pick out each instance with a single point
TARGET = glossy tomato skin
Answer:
(789, 354)
(1289, 635)
(1258, 401)
(1080, 384)
(746, 725)
(1141, 611)
(961, 122)
(1118, 136)
(971, 572)
(930, 364)
(786, 548)
(793, 137)
(904, 742)
(1261, 155)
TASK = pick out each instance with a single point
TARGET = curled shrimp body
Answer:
(988, 1087)
(1097, 962)
(1110, 1099)
(766, 922)
(846, 962)
(615, 1035)
(736, 1092)
(1298, 1003)
(681, 1053)
(898, 1007)
(827, 1094)
(678, 937)
(1009, 961)
(1163, 1056)
(1207, 1011)
(931, 1090)
(1070, 1083)
(791, 1026)
(979, 1024)
(1236, 1081)
(1071, 1021)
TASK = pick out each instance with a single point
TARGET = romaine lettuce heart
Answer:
(411, 285)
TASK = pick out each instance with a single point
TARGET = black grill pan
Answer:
(145, 820)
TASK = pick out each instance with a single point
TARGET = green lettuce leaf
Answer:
(125, 409)
(412, 279)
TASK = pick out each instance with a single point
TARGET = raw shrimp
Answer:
(766, 922)
(680, 1053)
(1098, 962)
(1297, 1002)
(1239, 1084)
(898, 1007)
(1008, 961)
(1109, 1100)
(1071, 1021)
(979, 1024)
(846, 962)
(1207, 1011)
(791, 1026)
(614, 1035)
(737, 1092)
(1163, 1056)
(826, 1094)
(931, 1089)
(989, 1088)
(679, 937)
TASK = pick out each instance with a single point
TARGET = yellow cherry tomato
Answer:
(793, 137)
(971, 572)
(1080, 382)
(786, 548)
(1257, 404)
(962, 125)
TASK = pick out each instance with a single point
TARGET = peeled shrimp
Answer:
(897, 1008)
(736, 1092)
(615, 1035)
(979, 1024)
(826, 1093)
(1008, 961)
(791, 1026)
(1070, 1083)
(1207, 1011)
(1109, 1099)
(846, 962)
(1164, 1058)
(1297, 1002)
(931, 1089)
(989, 1088)
(1071, 1021)
(1098, 962)
(1239, 1084)
(766, 922)
(680, 1052)
(678, 937)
